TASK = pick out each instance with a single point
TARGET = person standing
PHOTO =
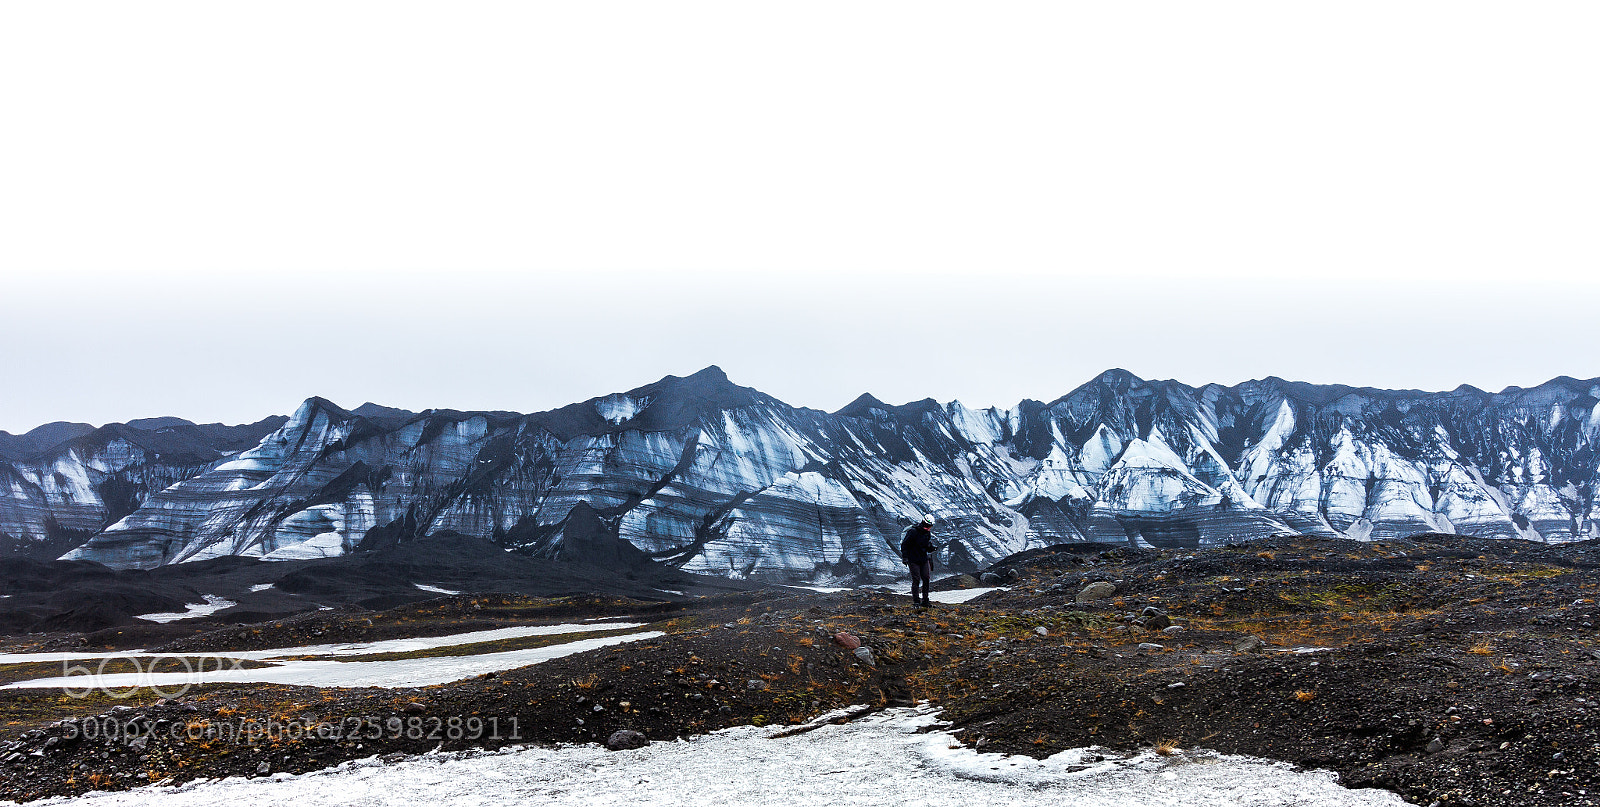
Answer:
(916, 549)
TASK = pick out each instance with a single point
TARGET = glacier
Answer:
(714, 478)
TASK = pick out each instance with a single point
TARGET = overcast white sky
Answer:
(215, 210)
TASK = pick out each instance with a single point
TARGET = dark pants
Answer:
(921, 571)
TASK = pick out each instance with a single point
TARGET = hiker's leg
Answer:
(925, 569)
(916, 580)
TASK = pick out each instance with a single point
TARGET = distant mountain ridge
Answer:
(65, 482)
(715, 478)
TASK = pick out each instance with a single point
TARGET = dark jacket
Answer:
(917, 544)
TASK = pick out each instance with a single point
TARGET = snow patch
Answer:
(414, 672)
(955, 597)
(434, 589)
(825, 767)
(212, 605)
(961, 595)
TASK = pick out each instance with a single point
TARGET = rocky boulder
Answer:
(1097, 591)
(626, 739)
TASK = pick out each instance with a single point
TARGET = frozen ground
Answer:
(111, 673)
(879, 761)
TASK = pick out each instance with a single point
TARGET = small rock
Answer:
(1150, 610)
(1248, 644)
(1097, 591)
(755, 685)
(626, 739)
(1150, 646)
(1435, 745)
(1158, 622)
(263, 769)
(414, 708)
(846, 641)
(1042, 630)
(1177, 685)
(1172, 630)
(990, 579)
(865, 654)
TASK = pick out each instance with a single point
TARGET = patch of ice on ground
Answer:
(413, 672)
(212, 605)
(349, 648)
(429, 642)
(961, 595)
(948, 597)
(261, 587)
(435, 589)
(884, 760)
(822, 589)
(955, 597)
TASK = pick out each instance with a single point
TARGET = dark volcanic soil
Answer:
(98, 606)
(1448, 669)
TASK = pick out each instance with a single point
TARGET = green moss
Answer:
(1349, 597)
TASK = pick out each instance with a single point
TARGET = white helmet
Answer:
(928, 519)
